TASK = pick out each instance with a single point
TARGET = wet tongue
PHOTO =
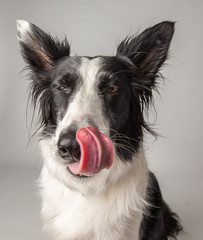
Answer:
(96, 152)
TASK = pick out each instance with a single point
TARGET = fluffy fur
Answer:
(110, 93)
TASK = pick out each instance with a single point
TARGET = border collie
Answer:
(95, 183)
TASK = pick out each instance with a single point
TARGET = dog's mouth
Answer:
(94, 154)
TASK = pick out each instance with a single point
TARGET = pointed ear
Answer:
(38, 48)
(149, 50)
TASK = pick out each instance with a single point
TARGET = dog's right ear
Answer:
(39, 49)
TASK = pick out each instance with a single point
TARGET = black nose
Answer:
(68, 147)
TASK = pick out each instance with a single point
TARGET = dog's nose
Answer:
(68, 147)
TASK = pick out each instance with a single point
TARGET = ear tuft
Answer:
(23, 27)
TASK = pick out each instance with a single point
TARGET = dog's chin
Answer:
(79, 176)
(68, 162)
(87, 185)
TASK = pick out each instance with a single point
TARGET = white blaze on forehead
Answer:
(86, 104)
(88, 70)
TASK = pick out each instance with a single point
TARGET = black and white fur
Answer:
(110, 93)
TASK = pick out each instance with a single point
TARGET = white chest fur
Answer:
(68, 215)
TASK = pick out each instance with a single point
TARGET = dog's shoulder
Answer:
(159, 222)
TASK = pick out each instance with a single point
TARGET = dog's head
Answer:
(91, 106)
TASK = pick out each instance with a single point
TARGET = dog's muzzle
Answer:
(87, 150)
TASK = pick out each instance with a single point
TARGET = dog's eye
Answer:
(64, 89)
(113, 89)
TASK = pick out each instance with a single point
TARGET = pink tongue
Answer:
(96, 152)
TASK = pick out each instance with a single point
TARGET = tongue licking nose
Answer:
(96, 152)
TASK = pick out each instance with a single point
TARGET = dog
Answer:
(95, 183)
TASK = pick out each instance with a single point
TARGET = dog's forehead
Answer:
(84, 68)
(108, 66)
(90, 71)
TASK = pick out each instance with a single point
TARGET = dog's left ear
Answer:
(148, 51)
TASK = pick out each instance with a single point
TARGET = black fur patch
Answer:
(159, 223)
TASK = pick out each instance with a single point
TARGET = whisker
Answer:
(48, 133)
(117, 136)
(131, 150)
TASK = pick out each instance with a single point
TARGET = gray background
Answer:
(96, 27)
